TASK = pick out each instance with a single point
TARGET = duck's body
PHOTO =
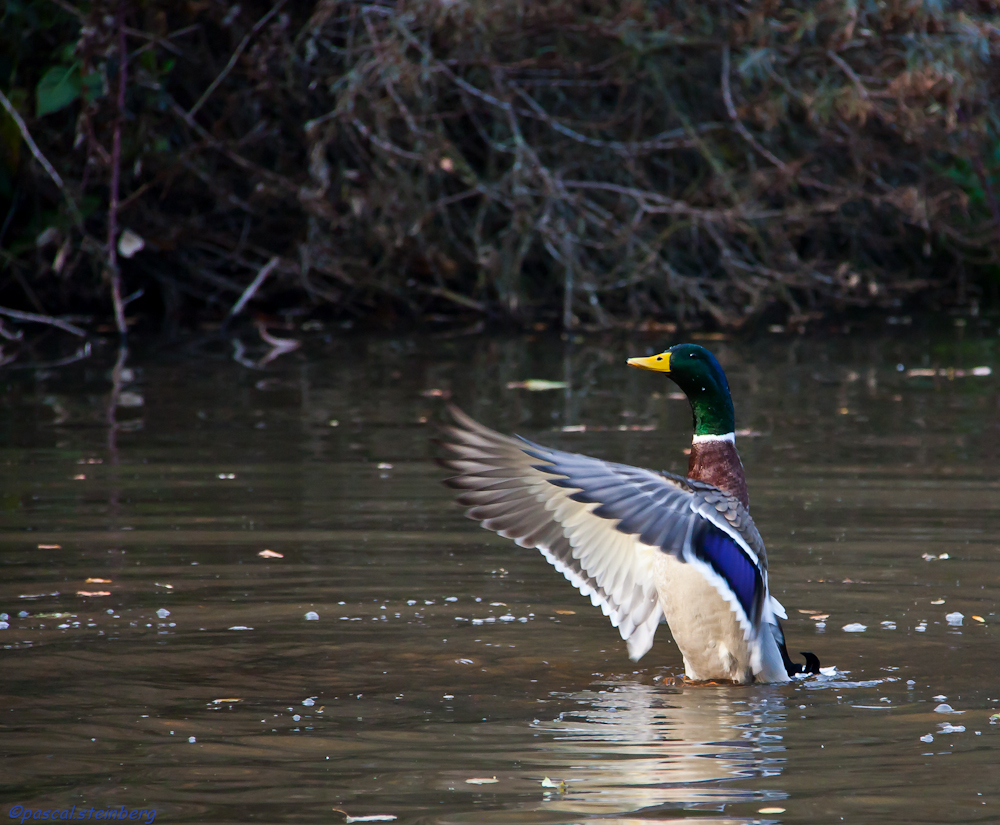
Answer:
(644, 545)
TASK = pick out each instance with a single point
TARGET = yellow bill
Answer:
(657, 363)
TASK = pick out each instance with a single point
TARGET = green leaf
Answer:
(58, 87)
(92, 86)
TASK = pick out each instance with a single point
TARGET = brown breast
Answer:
(718, 463)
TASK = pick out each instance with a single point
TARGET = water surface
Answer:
(193, 679)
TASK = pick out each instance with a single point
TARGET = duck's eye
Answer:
(659, 357)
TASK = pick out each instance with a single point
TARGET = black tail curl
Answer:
(811, 665)
(794, 668)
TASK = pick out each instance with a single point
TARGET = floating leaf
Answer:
(58, 87)
(482, 780)
(536, 385)
(949, 372)
(270, 554)
(774, 810)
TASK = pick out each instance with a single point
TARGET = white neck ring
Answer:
(707, 439)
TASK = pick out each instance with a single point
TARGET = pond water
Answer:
(396, 658)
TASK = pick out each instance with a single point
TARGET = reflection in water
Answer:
(135, 511)
(635, 747)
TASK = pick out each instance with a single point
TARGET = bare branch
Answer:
(235, 56)
(34, 318)
(727, 96)
(116, 157)
(255, 284)
(836, 58)
(48, 167)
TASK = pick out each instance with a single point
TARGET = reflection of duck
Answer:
(644, 545)
(634, 746)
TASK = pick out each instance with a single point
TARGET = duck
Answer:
(646, 546)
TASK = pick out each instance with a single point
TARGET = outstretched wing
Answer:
(602, 524)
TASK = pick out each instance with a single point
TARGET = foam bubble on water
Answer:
(954, 619)
(312, 616)
(163, 612)
(855, 627)
(927, 738)
(944, 707)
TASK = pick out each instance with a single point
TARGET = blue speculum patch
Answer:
(729, 561)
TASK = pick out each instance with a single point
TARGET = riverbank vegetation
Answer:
(575, 163)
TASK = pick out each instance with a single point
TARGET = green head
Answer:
(695, 370)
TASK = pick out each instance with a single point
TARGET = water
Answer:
(440, 653)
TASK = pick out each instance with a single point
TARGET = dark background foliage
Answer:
(579, 163)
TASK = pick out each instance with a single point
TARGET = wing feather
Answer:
(601, 524)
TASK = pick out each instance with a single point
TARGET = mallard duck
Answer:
(646, 546)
